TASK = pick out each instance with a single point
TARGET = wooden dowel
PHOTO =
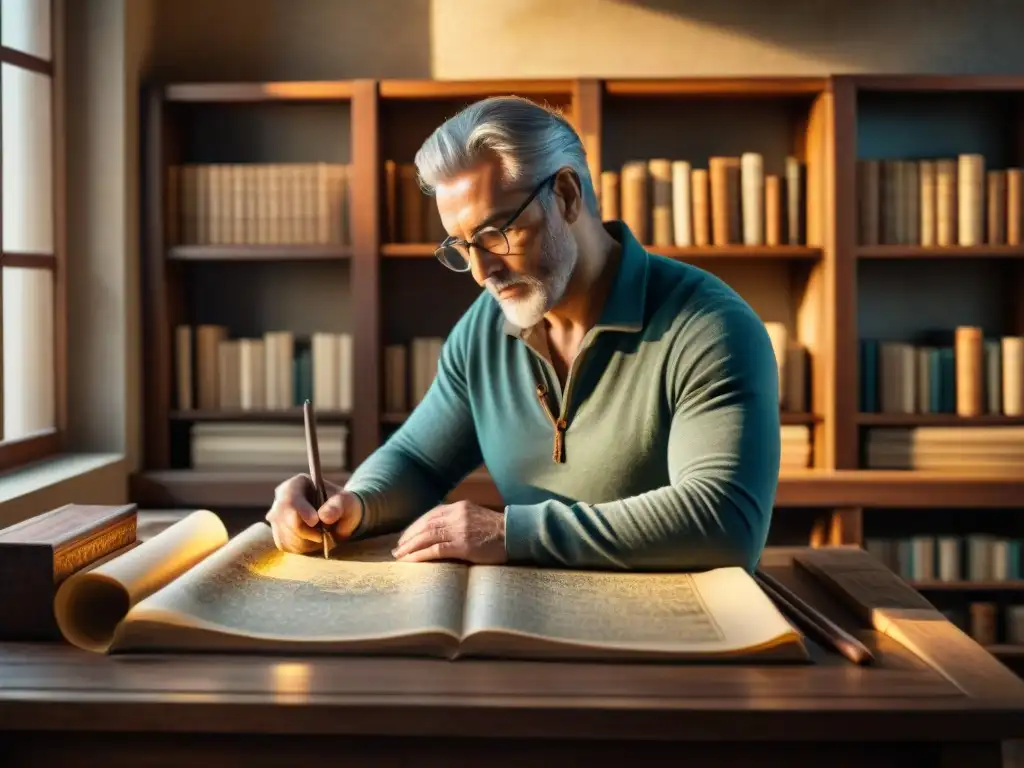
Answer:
(813, 622)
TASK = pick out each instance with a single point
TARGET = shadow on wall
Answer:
(937, 37)
(201, 40)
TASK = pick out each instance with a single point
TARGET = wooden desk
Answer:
(63, 707)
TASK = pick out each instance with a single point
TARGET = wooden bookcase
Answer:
(830, 290)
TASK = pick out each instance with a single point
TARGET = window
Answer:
(32, 283)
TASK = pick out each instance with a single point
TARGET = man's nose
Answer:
(484, 264)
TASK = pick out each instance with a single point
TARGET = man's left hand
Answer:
(459, 531)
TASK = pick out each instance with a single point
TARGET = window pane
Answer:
(29, 395)
(28, 161)
(25, 26)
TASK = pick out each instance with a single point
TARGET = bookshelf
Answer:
(826, 286)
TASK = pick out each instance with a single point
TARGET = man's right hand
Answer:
(295, 521)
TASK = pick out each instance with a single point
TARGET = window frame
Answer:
(49, 442)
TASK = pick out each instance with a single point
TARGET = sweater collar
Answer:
(624, 307)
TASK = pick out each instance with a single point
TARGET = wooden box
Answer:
(37, 554)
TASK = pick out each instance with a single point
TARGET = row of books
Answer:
(248, 445)
(796, 446)
(938, 202)
(280, 370)
(673, 202)
(282, 447)
(276, 371)
(410, 216)
(967, 374)
(793, 360)
(258, 204)
(975, 557)
(406, 382)
(990, 451)
(980, 620)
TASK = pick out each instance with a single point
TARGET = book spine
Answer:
(700, 190)
(752, 195)
(1014, 205)
(969, 367)
(660, 171)
(682, 223)
(635, 200)
(610, 196)
(971, 199)
(929, 231)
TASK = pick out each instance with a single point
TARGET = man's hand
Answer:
(460, 531)
(294, 520)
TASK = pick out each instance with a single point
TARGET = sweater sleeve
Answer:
(433, 450)
(723, 464)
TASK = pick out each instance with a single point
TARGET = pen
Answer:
(313, 454)
(814, 622)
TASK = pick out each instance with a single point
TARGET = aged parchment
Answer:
(249, 588)
(587, 607)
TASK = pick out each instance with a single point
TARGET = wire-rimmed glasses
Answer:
(454, 253)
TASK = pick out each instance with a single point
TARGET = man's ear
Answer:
(568, 188)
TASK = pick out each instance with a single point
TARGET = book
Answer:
(38, 554)
(192, 588)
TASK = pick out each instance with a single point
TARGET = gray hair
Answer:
(531, 142)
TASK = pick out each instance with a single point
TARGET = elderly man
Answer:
(625, 404)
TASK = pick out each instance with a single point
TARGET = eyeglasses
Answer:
(454, 253)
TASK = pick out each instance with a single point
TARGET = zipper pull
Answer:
(558, 456)
(558, 452)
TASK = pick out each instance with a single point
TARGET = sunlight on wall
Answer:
(595, 38)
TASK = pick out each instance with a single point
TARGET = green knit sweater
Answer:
(662, 452)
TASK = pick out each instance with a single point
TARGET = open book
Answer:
(191, 588)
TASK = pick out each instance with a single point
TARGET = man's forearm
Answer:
(393, 489)
(429, 454)
(414, 470)
(696, 525)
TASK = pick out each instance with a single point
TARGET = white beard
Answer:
(558, 260)
(527, 311)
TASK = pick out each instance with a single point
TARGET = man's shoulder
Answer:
(688, 297)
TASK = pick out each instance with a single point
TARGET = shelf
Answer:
(936, 420)
(897, 489)
(737, 252)
(717, 86)
(967, 586)
(314, 90)
(407, 250)
(470, 89)
(933, 83)
(284, 415)
(283, 252)
(940, 252)
(789, 418)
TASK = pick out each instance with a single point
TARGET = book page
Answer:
(610, 614)
(90, 603)
(252, 596)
